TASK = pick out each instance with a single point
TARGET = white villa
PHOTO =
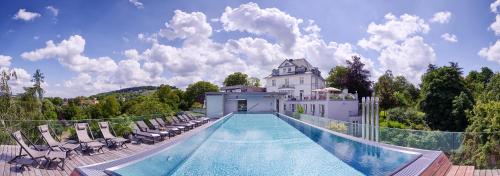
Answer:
(294, 83)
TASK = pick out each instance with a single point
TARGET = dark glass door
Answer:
(242, 105)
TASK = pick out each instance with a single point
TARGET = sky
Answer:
(85, 47)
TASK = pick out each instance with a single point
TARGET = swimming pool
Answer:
(265, 144)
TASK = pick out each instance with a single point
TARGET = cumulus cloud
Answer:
(494, 6)
(269, 21)
(5, 60)
(53, 10)
(495, 26)
(492, 53)
(400, 46)
(393, 30)
(410, 58)
(441, 17)
(24, 15)
(137, 4)
(190, 26)
(450, 37)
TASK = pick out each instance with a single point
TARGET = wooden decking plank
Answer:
(461, 171)
(452, 171)
(469, 171)
(442, 171)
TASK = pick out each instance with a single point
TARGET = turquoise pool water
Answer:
(264, 144)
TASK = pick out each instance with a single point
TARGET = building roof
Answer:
(299, 63)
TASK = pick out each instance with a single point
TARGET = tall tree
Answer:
(337, 77)
(395, 91)
(110, 107)
(196, 92)
(5, 97)
(236, 78)
(444, 98)
(37, 80)
(359, 78)
(253, 81)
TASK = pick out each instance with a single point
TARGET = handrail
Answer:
(253, 107)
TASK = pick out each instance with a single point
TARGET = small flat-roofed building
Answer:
(219, 104)
(242, 88)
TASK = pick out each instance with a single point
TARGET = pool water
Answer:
(264, 144)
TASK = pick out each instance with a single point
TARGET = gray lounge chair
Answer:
(110, 138)
(203, 118)
(176, 121)
(145, 128)
(158, 126)
(163, 123)
(183, 119)
(35, 155)
(145, 136)
(86, 142)
(186, 117)
(45, 130)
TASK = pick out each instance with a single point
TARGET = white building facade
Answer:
(305, 87)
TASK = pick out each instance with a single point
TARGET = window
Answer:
(293, 107)
(274, 82)
(286, 81)
(305, 108)
(289, 69)
(284, 107)
(301, 80)
(284, 69)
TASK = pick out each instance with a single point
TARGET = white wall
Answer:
(338, 110)
(259, 104)
(215, 105)
(294, 80)
(230, 105)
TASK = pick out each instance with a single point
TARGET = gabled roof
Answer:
(297, 62)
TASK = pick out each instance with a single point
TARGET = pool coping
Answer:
(103, 168)
(416, 167)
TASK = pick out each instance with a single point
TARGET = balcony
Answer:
(286, 86)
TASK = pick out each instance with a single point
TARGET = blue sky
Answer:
(104, 45)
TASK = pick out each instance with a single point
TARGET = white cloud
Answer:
(410, 58)
(449, 37)
(393, 30)
(492, 53)
(53, 10)
(24, 15)
(190, 26)
(441, 17)
(494, 6)
(269, 21)
(137, 4)
(495, 26)
(5, 60)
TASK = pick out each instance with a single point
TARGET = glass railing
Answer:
(429, 140)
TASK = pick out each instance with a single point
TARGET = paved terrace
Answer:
(9, 151)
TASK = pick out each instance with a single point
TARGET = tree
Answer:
(5, 97)
(395, 91)
(236, 78)
(37, 80)
(196, 92)
(253, 81)
(444, 98)
(337, 77)
(476, 81)
(358, 78)
(110, 107)
(49, 110)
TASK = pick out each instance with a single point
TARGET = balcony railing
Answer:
(287, 86)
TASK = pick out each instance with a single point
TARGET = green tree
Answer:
(151, 105)
(477, 81)
(441, 99)
(5, 97)
(110, 107)
(395, 91)
(337, 77)
(37, 80)
(49, 110)
(253, 81)
(163, 93)
(196, 92)
(236, 78)
(358, 78)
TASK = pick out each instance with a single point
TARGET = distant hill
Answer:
(128, 91)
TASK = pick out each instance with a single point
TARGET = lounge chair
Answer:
(201, 122)
(86, 142)
(183, 119)
(176, 121)
(145, 128)
(165, 124)
(157, 126)
(145, 136)
(203, 118)
(110, 138)
(53, 143)
(35, 155)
